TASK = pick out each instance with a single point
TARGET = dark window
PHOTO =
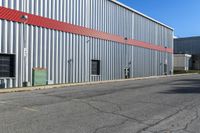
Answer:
(7, 65)
(95, 67)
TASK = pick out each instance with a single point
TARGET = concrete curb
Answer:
(81, 84)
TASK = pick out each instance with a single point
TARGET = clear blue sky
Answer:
(182, 15)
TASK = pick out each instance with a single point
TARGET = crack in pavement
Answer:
(163, 104)
(110, 126)
(113, 113)
(196, 117)
(103, 101)
(96, 93)
(162, 120)
(189, 123)
(134, 119)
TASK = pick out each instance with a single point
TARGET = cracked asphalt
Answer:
(165, 105)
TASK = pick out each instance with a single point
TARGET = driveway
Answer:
(164, 105)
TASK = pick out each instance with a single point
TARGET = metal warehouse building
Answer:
(191, 46)
(80, 41)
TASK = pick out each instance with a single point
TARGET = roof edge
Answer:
(187, 37)
(135, 11)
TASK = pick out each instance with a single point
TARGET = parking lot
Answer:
(160, 105)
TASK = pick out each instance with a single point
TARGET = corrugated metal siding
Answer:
(102, 15)
(187, 45)
(190, 45)
(55, 49)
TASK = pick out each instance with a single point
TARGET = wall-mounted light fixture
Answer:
(24, 17)
(69, 61)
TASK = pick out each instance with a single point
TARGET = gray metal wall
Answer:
(54, 49)
(190, 45)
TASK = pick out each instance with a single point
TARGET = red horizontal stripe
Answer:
(14, 15)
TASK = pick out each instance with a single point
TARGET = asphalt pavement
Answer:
(160, 105)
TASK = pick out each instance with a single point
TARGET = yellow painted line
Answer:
(30, 109)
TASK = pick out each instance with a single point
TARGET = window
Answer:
(7, 65)
(95, 67)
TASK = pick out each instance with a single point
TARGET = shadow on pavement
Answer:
(185, 86)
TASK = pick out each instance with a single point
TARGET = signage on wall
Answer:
(25, 52)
